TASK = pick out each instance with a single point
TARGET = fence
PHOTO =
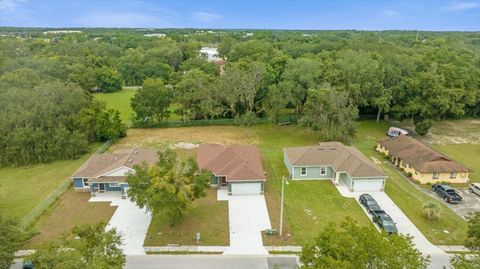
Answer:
(219, 122)
(44, 205)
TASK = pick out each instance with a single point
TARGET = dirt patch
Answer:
(187, 135)
(454, 132)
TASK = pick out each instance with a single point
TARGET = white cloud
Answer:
(460, 6)
(391, 13)
(122, 19)
(204, 16)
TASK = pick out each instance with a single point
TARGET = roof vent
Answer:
(320, 148)
(115, 158)
(130, 160)
(333, 148)
(135, 151)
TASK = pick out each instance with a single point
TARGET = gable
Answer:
(119, 172)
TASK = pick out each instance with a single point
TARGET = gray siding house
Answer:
(334, 161)
(107, 172)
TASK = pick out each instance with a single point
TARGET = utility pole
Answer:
(281, 206)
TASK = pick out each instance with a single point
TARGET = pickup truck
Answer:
(447, 193)
(384, 221)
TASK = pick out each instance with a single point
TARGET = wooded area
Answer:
(326, 78)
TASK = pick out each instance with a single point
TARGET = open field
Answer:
(450, 229)
(71, 209)
(22, 188)
(455, 132)
(121, 101)
(207, 216)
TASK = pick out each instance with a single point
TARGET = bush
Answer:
(432, 210)
(247, 119)
(422, 126)
(409, 174)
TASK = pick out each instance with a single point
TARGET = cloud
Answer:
(391, 13)
(122, 19)
(13, 8)
(460, 6)
(204, 16)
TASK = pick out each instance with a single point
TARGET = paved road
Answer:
(247, 217)
(210, 262)
(438, 257)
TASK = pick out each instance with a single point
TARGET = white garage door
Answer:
(246, 188)
(368, 185)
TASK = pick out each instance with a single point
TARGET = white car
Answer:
(475, 188)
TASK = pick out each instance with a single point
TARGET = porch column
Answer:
(337, 178)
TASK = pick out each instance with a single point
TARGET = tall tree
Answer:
(108, 79)
(12, 237)
(350, 246)
(470, 260)
(151, 102)
(168, 187)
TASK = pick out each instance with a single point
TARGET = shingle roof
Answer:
(235, 162)
(421, 157)
(340, 157)
(99, 164)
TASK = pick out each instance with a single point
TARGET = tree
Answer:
(432, 210)
(350, 246)
(151, 102)
(331, 112)
(202, 64)
(12, 237)
(470, 260)
(422, 126)
(168, 187)
(108, 79)
(89, 246)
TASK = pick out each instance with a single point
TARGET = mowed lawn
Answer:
(466, 154)
(121, 101)
(309, 205)
(206, 215)
(22, 188)
(450, 229)
(71, 209)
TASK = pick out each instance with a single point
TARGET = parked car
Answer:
(395, 131)
(447, 193)
(27, 265)
(384, 221)
(369, 202)
(475, 188)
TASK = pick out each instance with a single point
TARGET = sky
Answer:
(436, 15)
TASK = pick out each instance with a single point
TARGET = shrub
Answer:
(247, 119)
(432, 210)
(409, 174)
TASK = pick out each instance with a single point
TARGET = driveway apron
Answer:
(248, 217)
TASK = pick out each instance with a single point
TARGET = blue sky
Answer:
(244, 14)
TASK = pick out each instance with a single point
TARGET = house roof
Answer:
(340, 157)
(421, 157)
(99, 164)
(235, 162)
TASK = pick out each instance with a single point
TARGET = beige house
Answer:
(423, 163)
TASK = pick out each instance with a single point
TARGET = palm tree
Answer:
(432, 210)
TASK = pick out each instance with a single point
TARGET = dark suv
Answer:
(369, 203)
(384, 221)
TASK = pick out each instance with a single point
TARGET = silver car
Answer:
(475, 188)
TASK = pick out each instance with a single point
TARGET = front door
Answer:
(101, 186)
(223, 181)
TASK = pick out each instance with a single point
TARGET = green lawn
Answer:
(121, 101)
(309, 205)
(207, 216)
(449, 230)
(466, 154)
(22, 188)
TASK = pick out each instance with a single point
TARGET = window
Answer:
(323, 171)
(85, 182)
(435, 175)
(113, 184)
(304, 171)
(453, 174)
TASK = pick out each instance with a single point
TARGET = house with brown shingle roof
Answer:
(425, 164)
(107, 172)
(237, 168)
(334, 161)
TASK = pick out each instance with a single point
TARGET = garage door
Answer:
(368, 185)
(246, 188)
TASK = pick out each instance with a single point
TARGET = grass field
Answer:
(207, 216)
(121, 101)
(450, 229)
(466, 154)
(22, 188)
(71, 209)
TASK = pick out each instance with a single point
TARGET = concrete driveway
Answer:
(248, 217)
(437, 256)
(470, 203)
(131, 221)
